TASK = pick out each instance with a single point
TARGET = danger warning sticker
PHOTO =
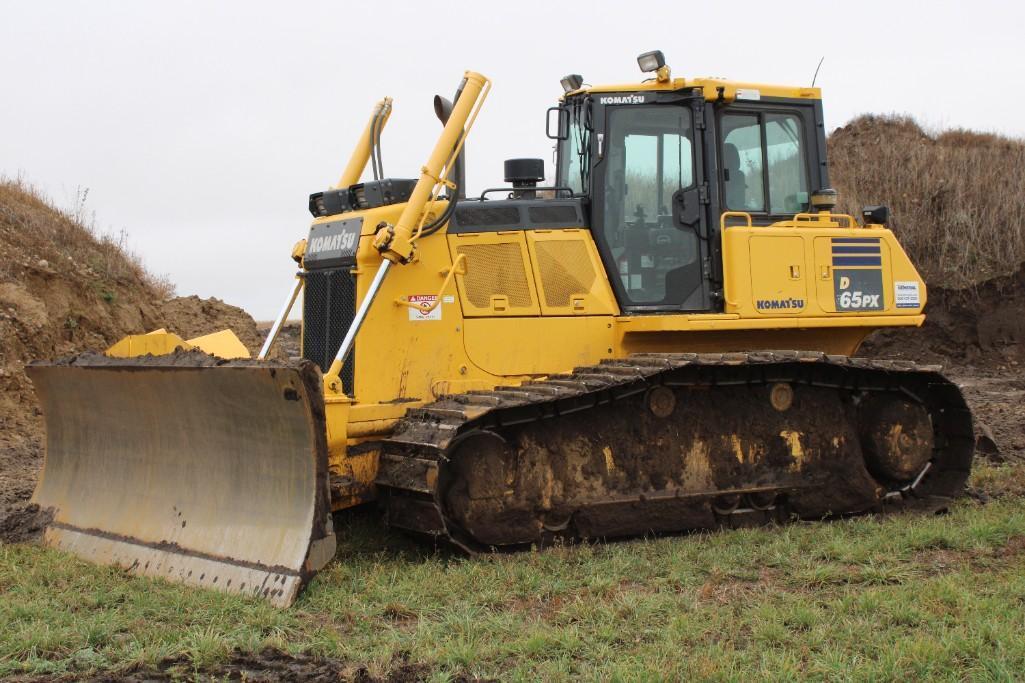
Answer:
(423, 302)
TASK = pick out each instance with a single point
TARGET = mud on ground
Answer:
(981, 329)
(268, 666)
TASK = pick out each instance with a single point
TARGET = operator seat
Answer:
(736, 182)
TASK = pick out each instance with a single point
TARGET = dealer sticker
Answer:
(905, 294)
(422, 302)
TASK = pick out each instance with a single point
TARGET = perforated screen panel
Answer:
(488, 216)
(329, 305)
(495, 270)
(566, 270)
(551, 214)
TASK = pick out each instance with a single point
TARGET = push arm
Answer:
(397, 242)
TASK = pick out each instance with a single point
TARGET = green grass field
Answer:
(905, 597)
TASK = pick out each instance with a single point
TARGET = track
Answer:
(671, 442)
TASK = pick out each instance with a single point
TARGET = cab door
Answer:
(650, 215)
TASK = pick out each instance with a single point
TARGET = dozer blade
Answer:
(198, 470)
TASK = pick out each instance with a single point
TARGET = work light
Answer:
(572, 82)
(651, 61)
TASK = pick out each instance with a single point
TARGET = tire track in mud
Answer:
(267, 666)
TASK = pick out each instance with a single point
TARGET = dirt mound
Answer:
(982, 327)
(957, 203)
(190, 316)
(19, 466)
(957, 197)
(65, 289)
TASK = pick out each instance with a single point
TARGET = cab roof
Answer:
(713, 89)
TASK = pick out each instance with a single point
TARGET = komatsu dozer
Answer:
(658, 340)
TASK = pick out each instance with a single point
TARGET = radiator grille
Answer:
(565, 268)
(487, 216)
(546, 214)
(495, 270)
(329, 305)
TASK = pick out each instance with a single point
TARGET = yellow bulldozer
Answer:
(591, 358)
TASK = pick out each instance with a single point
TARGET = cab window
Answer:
(650, 156)
(574, 152)
(764, 163)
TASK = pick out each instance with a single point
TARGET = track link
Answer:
(670, 442)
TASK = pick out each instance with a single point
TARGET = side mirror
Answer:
(687, 208)
(561, 123)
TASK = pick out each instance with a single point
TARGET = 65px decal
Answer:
(858, 290)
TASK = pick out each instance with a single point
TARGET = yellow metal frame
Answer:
(405, 361)
(822, 217)
(597, 299)
(734, 214)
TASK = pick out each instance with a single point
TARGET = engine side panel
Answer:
(808, 271)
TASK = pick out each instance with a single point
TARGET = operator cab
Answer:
(661, 162)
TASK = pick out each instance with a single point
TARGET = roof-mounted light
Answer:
(651, 61)
(572, 82)
(654, 62)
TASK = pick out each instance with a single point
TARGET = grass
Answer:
(909, 596)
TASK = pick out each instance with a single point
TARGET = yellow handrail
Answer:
(851, 223)
(733, 214)
(808, 217)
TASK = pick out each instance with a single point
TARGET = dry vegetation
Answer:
(32, 225)
(957, 197)
(66, 287)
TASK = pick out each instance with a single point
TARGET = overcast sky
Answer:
(200, 128)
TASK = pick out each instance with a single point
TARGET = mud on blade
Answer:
(186, 467)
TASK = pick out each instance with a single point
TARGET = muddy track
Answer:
(269, 665)
(670, 442)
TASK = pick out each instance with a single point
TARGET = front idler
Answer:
(896, 436)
